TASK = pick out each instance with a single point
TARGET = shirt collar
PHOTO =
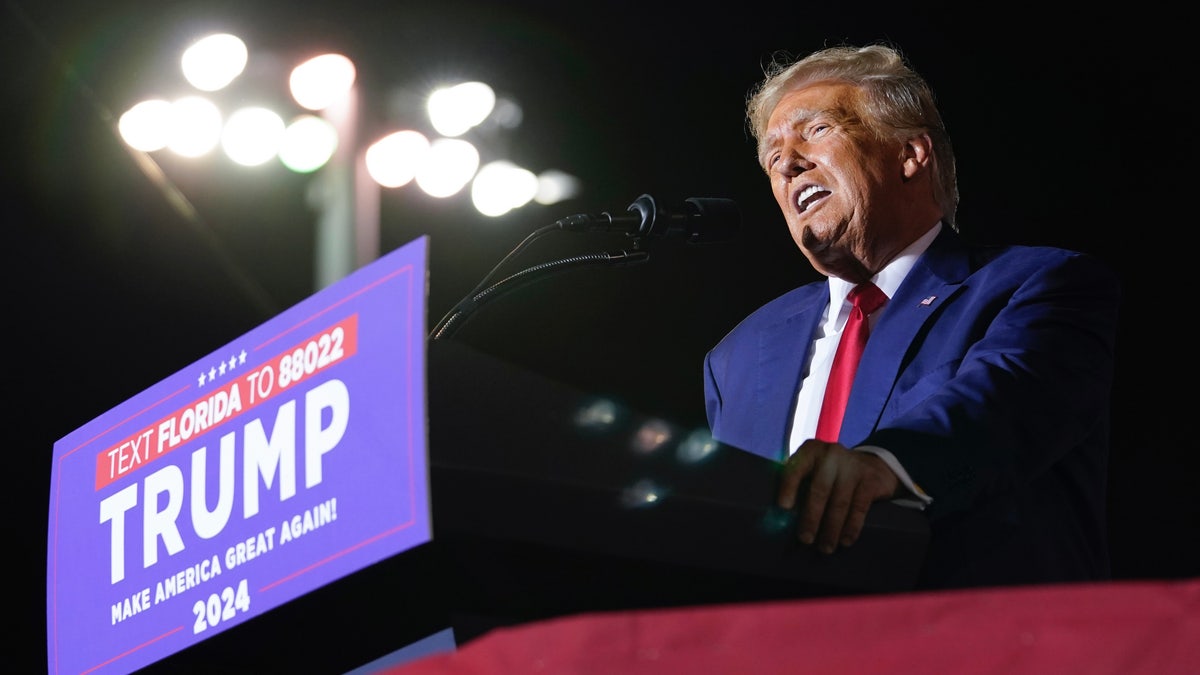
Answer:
(888, 279)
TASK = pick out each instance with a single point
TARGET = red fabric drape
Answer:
(1123, 628)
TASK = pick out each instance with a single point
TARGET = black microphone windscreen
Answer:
(717, 219)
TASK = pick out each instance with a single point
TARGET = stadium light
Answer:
(323, 136)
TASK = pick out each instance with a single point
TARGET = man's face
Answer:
(838, 185)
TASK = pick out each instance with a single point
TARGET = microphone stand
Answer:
(701, 220)
(482, 293)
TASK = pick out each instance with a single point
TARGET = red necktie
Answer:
(866, 298)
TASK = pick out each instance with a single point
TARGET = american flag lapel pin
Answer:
(928, 301)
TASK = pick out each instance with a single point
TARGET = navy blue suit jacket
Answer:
(988, 375)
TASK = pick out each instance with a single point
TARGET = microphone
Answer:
(701, 219)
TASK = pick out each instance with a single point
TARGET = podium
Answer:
(549, 501)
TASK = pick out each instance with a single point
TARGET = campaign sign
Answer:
(283, 461)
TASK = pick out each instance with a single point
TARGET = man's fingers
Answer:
(823, 480)
(838, 488)
(856, 517)
(795, 470)
(877, 482)
(809, 522)
(837, 507)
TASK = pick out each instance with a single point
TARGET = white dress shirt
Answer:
(829, 332)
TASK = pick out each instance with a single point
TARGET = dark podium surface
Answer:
(549, 501)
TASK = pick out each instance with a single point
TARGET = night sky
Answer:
(112, 287)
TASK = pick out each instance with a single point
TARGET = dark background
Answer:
(111, 288)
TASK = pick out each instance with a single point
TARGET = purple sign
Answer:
(285, 460)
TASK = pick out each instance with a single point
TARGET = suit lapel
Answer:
(775, 397)
(933, 280)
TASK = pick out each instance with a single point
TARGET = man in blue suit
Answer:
(983, 393)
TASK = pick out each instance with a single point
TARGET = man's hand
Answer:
(832, 488)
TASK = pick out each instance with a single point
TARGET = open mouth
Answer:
(809, 196)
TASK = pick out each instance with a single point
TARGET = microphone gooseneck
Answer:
(699, 219)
